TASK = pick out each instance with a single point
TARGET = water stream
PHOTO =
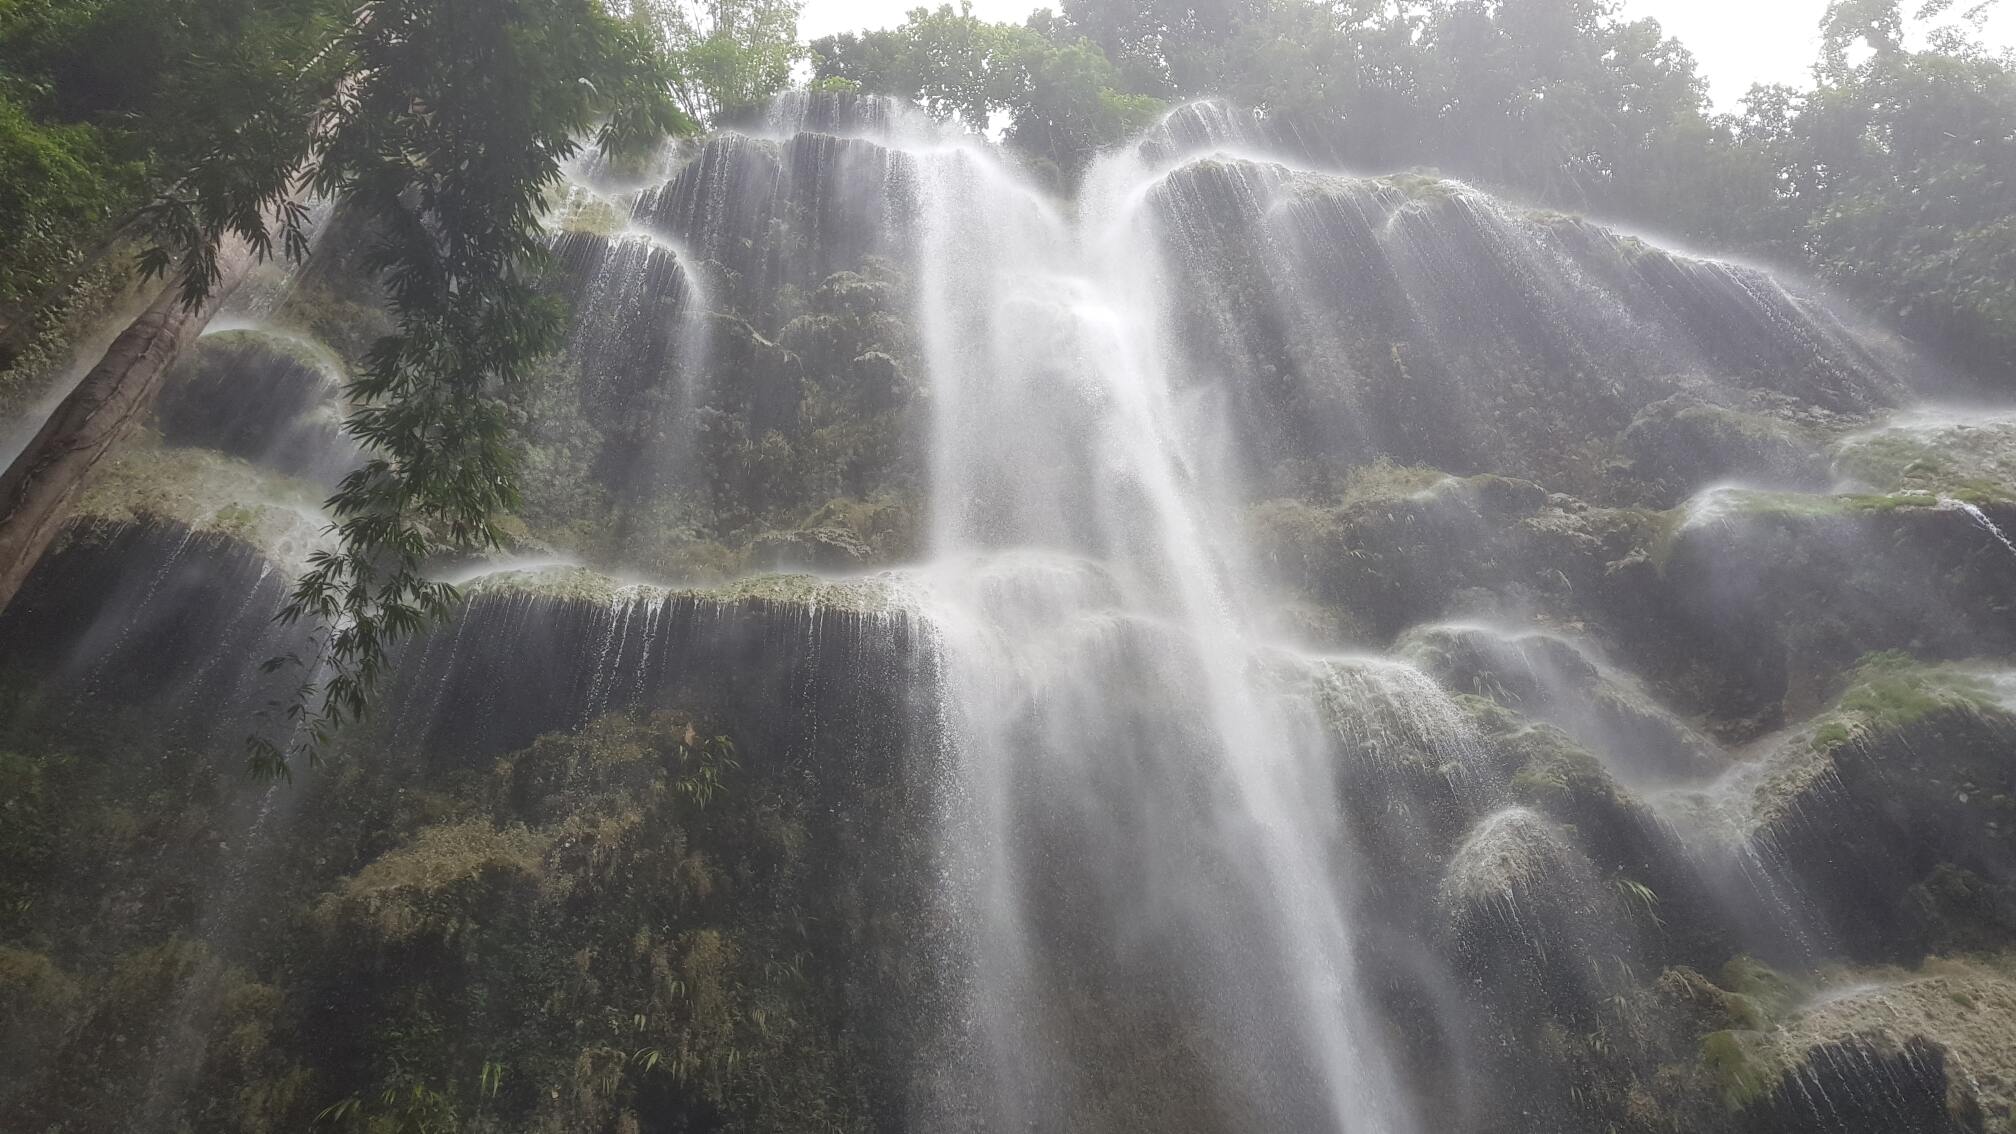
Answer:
(1080, 524)
(1240, 647)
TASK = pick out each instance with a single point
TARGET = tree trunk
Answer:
(35, 492)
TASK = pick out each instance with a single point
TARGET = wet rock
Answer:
(1893, 815)
(1701, 1006)
(778, 214)
(264, 396)
(1549, 678)
(1968, 456)
(1927, 1051)
(154, 614)
(1774, 594)
(1517, 885)
(40, 1002)
(1684, 442)
(808, 549)
(1432, 324)
(1402, 546)
(841, 652)
(1962, 910)
(204, 493)
(1547, 951)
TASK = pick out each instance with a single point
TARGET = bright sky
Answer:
(1739, 42)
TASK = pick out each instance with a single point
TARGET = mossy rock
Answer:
(563, 582)
(1887, 697)
(1957, 1016)
(627, 920)
(1393, 545)
(205, 492)
(1842, 1048)
(1779, 594)
(1683, 442)
(1548, 770)
(1877, 811)
(40, 1004)
(35, 814)
(884, 593)
(1741, 504)
(1891, 691)
(876, 594)
(808, 549)
(577, 208)
(1551, 678)
(1741, 1066)
(1702, 1006)
(1968, 458)
(885, 524)
(227, 341)
(1420, 186)
(439, 885)
(266, 395)
(171, 1016)
(1514, 859)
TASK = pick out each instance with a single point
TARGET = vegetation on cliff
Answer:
(603, 930)
(1647, 714)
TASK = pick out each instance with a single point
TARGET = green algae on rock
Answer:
(209, 493)
(1961, 456)
(572, 583)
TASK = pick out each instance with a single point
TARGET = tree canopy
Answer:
(1890, 175)
(449, 133)
(441, 125)
(169, 121)
(727, 57)
(1061, 97)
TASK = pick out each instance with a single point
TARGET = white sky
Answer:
(1738, 42)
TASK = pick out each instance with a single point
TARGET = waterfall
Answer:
(1988, 525)
(1247, 646)
(1090, 583)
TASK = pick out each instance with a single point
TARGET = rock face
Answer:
(1549, 678)
(268, 398)
(1966, 457)
(1589, 706)
(1428, 323)
(785, 661)
(1914, 844)
(1937, 1032)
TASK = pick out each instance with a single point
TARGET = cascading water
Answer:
(1107, 702)
(1293, 651)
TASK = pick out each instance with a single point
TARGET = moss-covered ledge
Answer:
(570, 583)
(205, 493)
(1960, 456)
(1931, 1046)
